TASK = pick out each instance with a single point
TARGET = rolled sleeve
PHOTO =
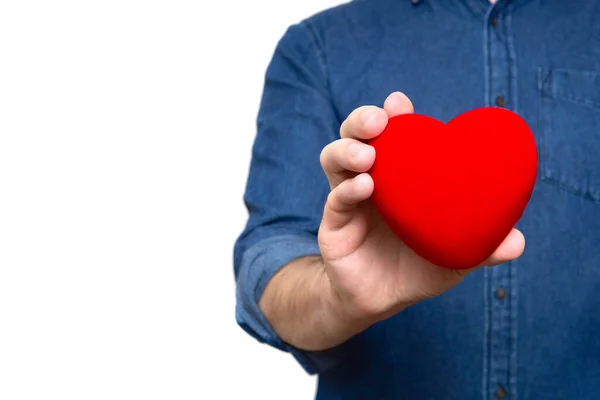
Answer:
(286, 188)
(259, 264)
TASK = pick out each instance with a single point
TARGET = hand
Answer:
(372, 273)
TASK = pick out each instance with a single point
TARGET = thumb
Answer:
(398, 103)
(511, 248)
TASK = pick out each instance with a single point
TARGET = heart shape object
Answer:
(453, 192)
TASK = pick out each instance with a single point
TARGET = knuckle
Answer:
(337, 198)
(338, 153)
(323, 156)
(348, 122)
(327, 153)
(333, 203)
(332, 198)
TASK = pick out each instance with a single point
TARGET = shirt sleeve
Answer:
(286, 187)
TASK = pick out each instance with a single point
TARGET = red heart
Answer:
(452, 192)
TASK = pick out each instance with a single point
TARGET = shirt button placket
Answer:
(500, 280)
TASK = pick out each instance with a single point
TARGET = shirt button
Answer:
(500, 392)
(500, 293)
(494, 21)
(500, 102)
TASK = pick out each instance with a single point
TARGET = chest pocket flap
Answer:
(569, 117)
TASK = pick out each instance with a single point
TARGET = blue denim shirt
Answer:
(528, 329)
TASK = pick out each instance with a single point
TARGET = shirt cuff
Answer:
(259, 263)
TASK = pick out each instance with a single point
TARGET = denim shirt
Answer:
(527, 329)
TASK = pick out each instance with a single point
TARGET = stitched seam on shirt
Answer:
(318, 49)
(303, 69)
(485, 378)
(322, 58)
(486, 66)
(514, 309)
(486, 335)
(541, 122)
(512, 361)
(512, 58)
(565, 95)
(588, 195)
(578, 100)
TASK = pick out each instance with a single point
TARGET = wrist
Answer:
(343, 317)
(356, 313)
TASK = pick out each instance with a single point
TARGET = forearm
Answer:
(303, 309)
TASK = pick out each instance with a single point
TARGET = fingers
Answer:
(364, 123)
(343, 200)
(511, 248)
(343, 159)
(398, 103)
(343, 156)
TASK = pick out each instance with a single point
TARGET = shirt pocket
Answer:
(569, 130)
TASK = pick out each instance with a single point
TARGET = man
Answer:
(320, 276)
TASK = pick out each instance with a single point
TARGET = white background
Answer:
(125, 136)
